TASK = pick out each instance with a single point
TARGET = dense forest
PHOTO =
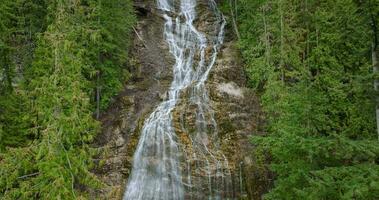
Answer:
(61, 62)
(313, 64)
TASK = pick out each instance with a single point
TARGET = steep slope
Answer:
(236, 112)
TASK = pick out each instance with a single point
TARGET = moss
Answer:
(127, 102)
(226, 127)
(144, 85)
(115, 193)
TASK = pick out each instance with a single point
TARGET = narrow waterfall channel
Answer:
(164, 168)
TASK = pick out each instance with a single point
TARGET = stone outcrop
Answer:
(236, 108)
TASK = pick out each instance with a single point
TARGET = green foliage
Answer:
(347, 182)
(310, 60)
(15, 120)
(106, 39)
(46, 108)
(20, 23)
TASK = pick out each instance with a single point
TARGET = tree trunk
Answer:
(267, 38)
(98, 75)
(98, 96)
(234, 20)
(375, 66)
(281, 41)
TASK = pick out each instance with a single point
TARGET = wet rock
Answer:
(230, 89)
(122, 122)
(235, 109)
(120, 141)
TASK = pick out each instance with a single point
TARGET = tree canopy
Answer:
(56, 55)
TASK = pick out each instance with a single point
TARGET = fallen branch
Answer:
(139, 37)
(28, 175)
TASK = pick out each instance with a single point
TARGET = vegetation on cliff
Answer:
(312, 63)
(60, 62)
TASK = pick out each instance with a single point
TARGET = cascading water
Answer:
(163, 169)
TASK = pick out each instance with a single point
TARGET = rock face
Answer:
(236, 111)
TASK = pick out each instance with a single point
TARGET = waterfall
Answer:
(158, 161)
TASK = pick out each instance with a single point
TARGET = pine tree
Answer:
(311, 65)
(79, 39)
(20, 23)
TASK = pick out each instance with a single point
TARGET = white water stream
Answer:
(162, 170)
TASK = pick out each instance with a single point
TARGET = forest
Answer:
(302, 75)
(57, 58)
(314, 65)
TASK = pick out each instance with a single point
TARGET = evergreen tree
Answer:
(20, 23)
(51, 104)
(311, 62)
(106, 39)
